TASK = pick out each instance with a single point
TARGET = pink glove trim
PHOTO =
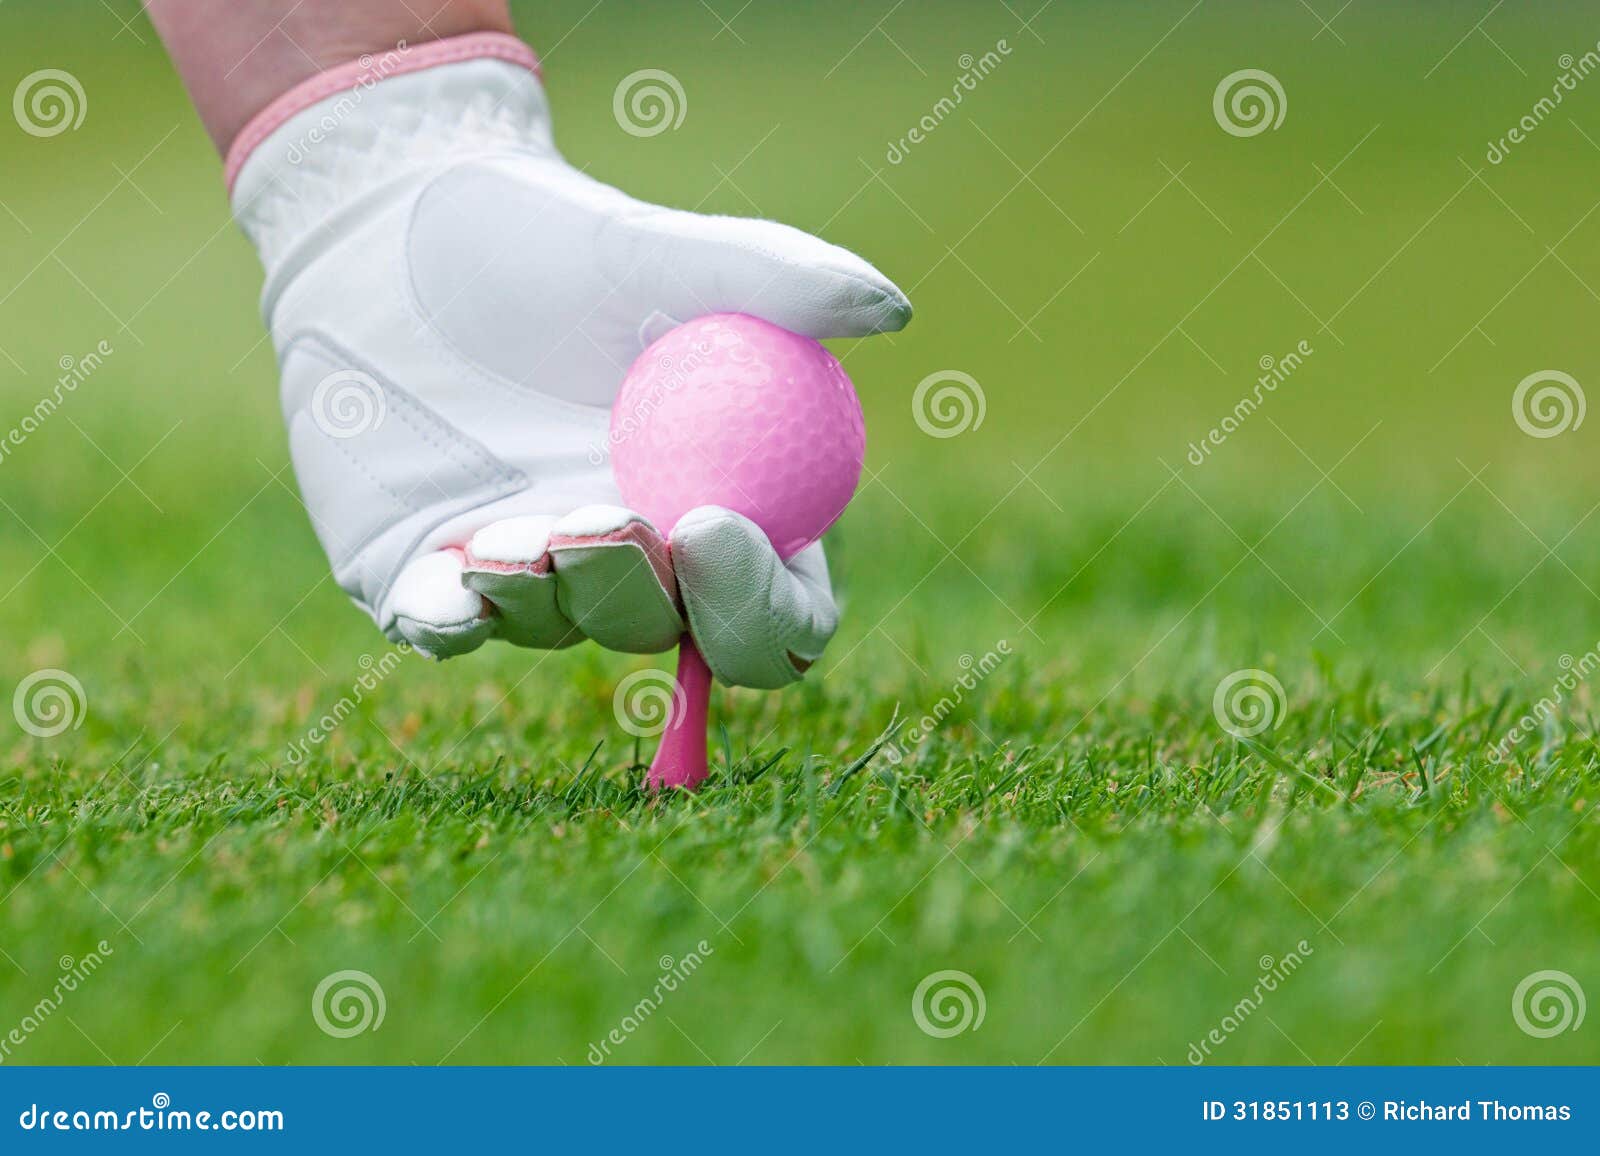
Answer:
(366, 71)
(651, 544)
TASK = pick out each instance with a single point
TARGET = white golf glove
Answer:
(454, 307)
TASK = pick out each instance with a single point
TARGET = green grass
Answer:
(1109, 863)
(1079, 833)
(1112, 888)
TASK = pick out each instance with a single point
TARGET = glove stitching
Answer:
(377, 483)
(485, 468)
(491, 479)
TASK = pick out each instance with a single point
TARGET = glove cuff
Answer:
(369, 123)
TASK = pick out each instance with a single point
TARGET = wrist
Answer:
(236, 64)
(355, 76)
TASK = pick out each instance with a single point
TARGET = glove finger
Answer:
(709, 264)
(614, 579)
(758, 622)
(508, 562)
(433, 611)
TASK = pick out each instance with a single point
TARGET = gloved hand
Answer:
(454, 307)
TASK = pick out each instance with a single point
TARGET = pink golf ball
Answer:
(729, 410)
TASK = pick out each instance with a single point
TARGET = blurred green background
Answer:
(1082, 238)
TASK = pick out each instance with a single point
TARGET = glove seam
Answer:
(494, 479)
(477, 460)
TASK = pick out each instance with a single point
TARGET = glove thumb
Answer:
(704, 264)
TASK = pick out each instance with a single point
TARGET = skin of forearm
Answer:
(236, 56)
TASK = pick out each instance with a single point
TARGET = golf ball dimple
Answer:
(733, 411)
